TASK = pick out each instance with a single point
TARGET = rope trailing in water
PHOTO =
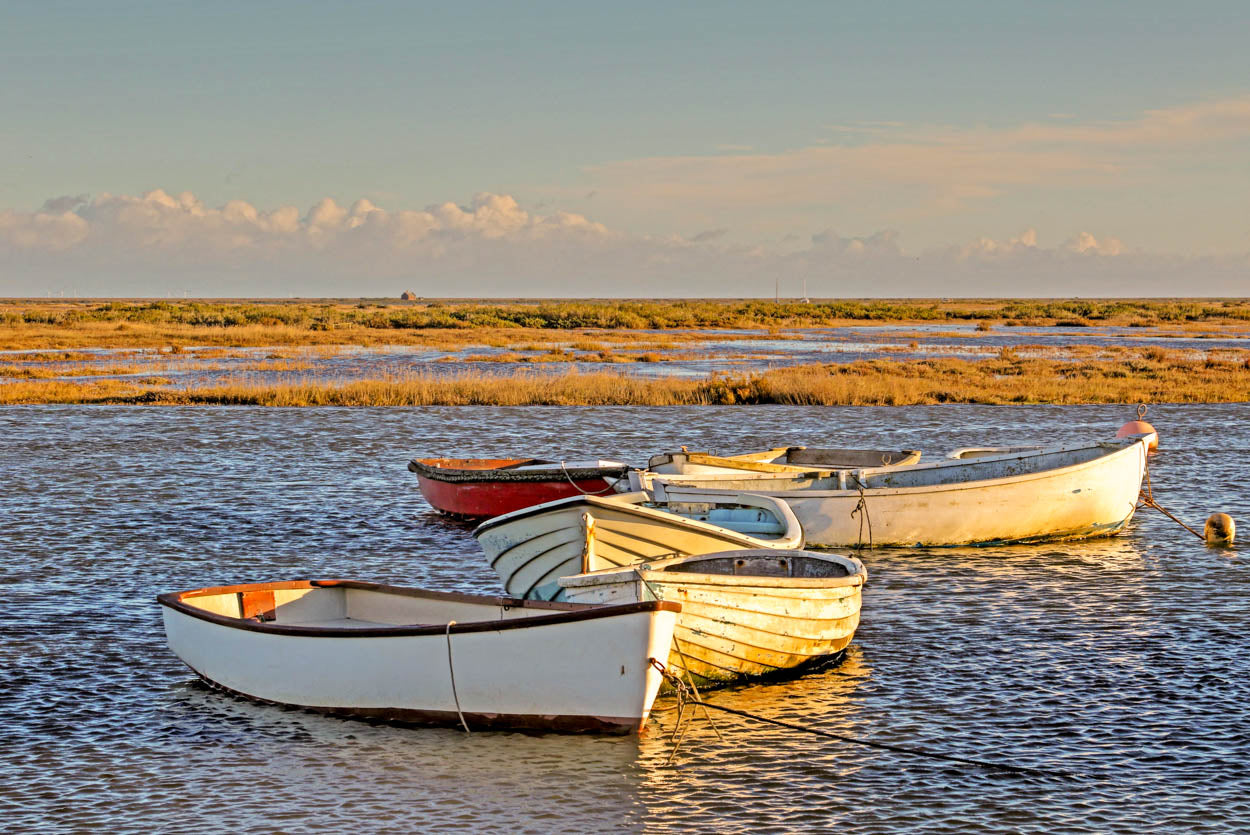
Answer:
(685, 665)
(1146, 498)
(452, 670)
(680, 687)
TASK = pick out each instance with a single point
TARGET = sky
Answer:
(842, 149)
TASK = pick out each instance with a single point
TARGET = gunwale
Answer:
(763, 461)
(561, 612)
(622, 503)
(506, 470)
(715, 580)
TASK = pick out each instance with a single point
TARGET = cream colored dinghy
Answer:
(779, 460)
(743, 613)
(531, 549)
(408, 655)
(980, 497)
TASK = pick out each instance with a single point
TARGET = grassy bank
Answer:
(1160, 377)
(57, 324)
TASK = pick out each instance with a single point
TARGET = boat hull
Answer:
(539, 669)
(1093, 498)
(477, 500)
(736, 627)
(473, 489)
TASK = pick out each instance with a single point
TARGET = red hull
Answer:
(495, 498)
(482, 487)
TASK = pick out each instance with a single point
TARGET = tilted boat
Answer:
(743, 613)
(531, 549)
(481, 487)
(408, 655)
(983, 496)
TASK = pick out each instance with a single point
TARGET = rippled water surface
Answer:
(1123, 662)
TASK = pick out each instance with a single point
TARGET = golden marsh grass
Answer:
(1165, 377)
(59, 324)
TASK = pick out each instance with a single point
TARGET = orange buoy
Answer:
(1140, 427)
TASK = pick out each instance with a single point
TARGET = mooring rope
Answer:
(611, 486)
(683, 695)
(452, 670)
(685, 665)
(861, 509)
(1146, 498)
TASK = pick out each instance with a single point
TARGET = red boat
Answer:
(480, 487)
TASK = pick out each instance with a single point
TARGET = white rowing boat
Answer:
(983, 496)
(532, 549)
(744, 613)
(409, 655)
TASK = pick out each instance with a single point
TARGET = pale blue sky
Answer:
(709, 121)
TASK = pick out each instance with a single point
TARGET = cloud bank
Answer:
(159, 244)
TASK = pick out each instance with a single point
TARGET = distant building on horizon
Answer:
(409, 296)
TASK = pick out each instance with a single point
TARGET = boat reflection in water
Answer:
(520, 782)
(830, 698)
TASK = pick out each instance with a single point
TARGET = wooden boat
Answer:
(480, 487)
(780, 460)
(743, 613)
(981, 497)
(531, 549)
(408, 655)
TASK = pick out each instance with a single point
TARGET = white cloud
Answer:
(493, 246)
(157, 221)
(990, 248)
(880, 244)
(42, 230)
(1086, 244)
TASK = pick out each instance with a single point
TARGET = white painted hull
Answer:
(532, 549)
(1057, 493)
(363, 650)
(740, 626)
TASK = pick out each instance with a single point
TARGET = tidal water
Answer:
(706, 352)
(1120, 665)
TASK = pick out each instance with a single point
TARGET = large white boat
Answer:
(743, 613)
(975, 496)
(409, 655)
(532, 549)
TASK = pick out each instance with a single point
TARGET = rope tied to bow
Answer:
(609, 489)
(861, 511)
(1146, 498)
(451, 670)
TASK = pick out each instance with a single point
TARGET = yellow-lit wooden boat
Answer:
(744, 613)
